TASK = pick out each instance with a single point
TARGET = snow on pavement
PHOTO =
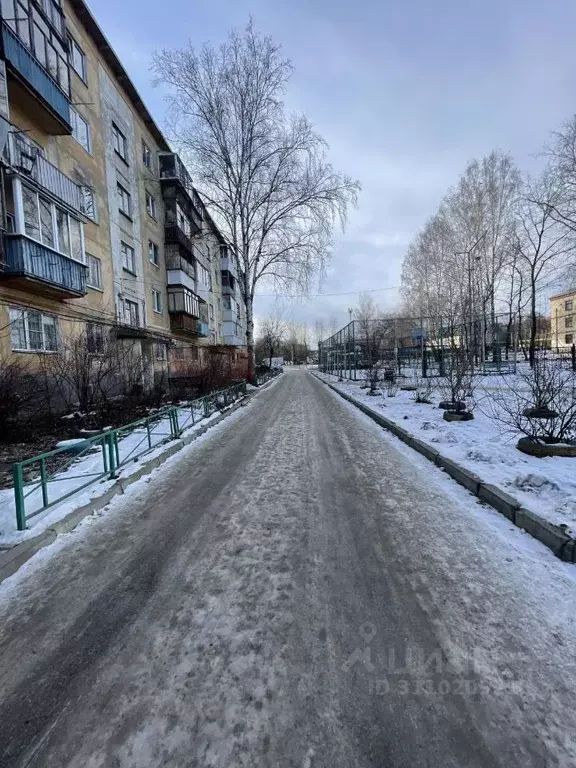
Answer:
(546, 486)
(211, 616)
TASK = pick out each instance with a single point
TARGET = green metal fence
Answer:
(50, 478)
(264, 377)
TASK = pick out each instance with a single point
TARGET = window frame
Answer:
(127, 249)
(55, 209)
(25, 313)
(153, 248)
(98, 261)
(151, 209)
(119, 142)
(76, 117)
(73, 46)
(95, 333)
(147, 154)
(568, 305)
(569, 339)
(126, 303)
(569, 321)
(157, 301)
(122, 192)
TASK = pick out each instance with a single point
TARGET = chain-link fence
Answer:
(408, 346)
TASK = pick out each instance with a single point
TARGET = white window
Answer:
(568, 305)
(131, 313)
(94, 279)
(154, 253)
(77, 58)
(203, 275)
(33, 331)
(95, 338)
(156, 301)
(124, 200)
(128, 262)
(52, 226)
(119, 142)
(568, 322)
(89, 203)
(146, 155)
(150, 205)
(80, 130)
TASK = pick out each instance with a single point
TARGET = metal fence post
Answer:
(19, 496)
(109, 438)
(44, 482)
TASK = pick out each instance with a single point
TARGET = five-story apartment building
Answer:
(103, 232)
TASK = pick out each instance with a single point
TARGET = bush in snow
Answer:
(457, 384)
(540, 402)
(424, 388)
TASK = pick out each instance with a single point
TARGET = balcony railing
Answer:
(172, 169)
(174, 235)
(180, 321)
(29, 70)
(36, 262)
(46, 175)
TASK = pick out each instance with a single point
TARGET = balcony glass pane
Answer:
(31, 223)
(47, 233)
(17, 329)
(50, 338)
(63, 234)
(76, 240)
(35, 330)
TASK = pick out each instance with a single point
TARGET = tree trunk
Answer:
(250, 338)
(532, 350)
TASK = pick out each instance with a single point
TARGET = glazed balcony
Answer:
(181, 322)
(40, 93)
(177, 185)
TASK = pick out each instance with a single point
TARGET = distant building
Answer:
(563, 319)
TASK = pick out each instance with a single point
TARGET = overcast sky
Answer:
(404, 92)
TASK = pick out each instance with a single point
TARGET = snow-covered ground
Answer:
(79, 472)
(546, 486)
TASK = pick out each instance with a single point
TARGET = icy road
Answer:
(296, 590)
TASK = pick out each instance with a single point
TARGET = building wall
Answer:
(563, 320)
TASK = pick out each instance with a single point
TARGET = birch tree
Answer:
(263, 173)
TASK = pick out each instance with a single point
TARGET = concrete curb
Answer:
(552, 536)
(12, 559)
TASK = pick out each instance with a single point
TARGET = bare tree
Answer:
(543, 243)
(263, 174)
(272, 333)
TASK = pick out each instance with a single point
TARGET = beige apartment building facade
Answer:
(103, 231)
(563, 320)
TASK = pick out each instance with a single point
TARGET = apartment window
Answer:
(124, 200)
(77, 58)
(146, 155)
(131, 313)
(568, 304)
(211, 311)
(150, 205)
(50, 225)
(81, 130)
(219, 329)
(119, 142)
(183, 301)
(203, 275)
(157, 301)
(94, 279)
(161, 352)
(569, 338)
(178, 353)
(89, 200)
(95, 338)
(154, 253)
(128, 262)
(568, 321)
(33, 331)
